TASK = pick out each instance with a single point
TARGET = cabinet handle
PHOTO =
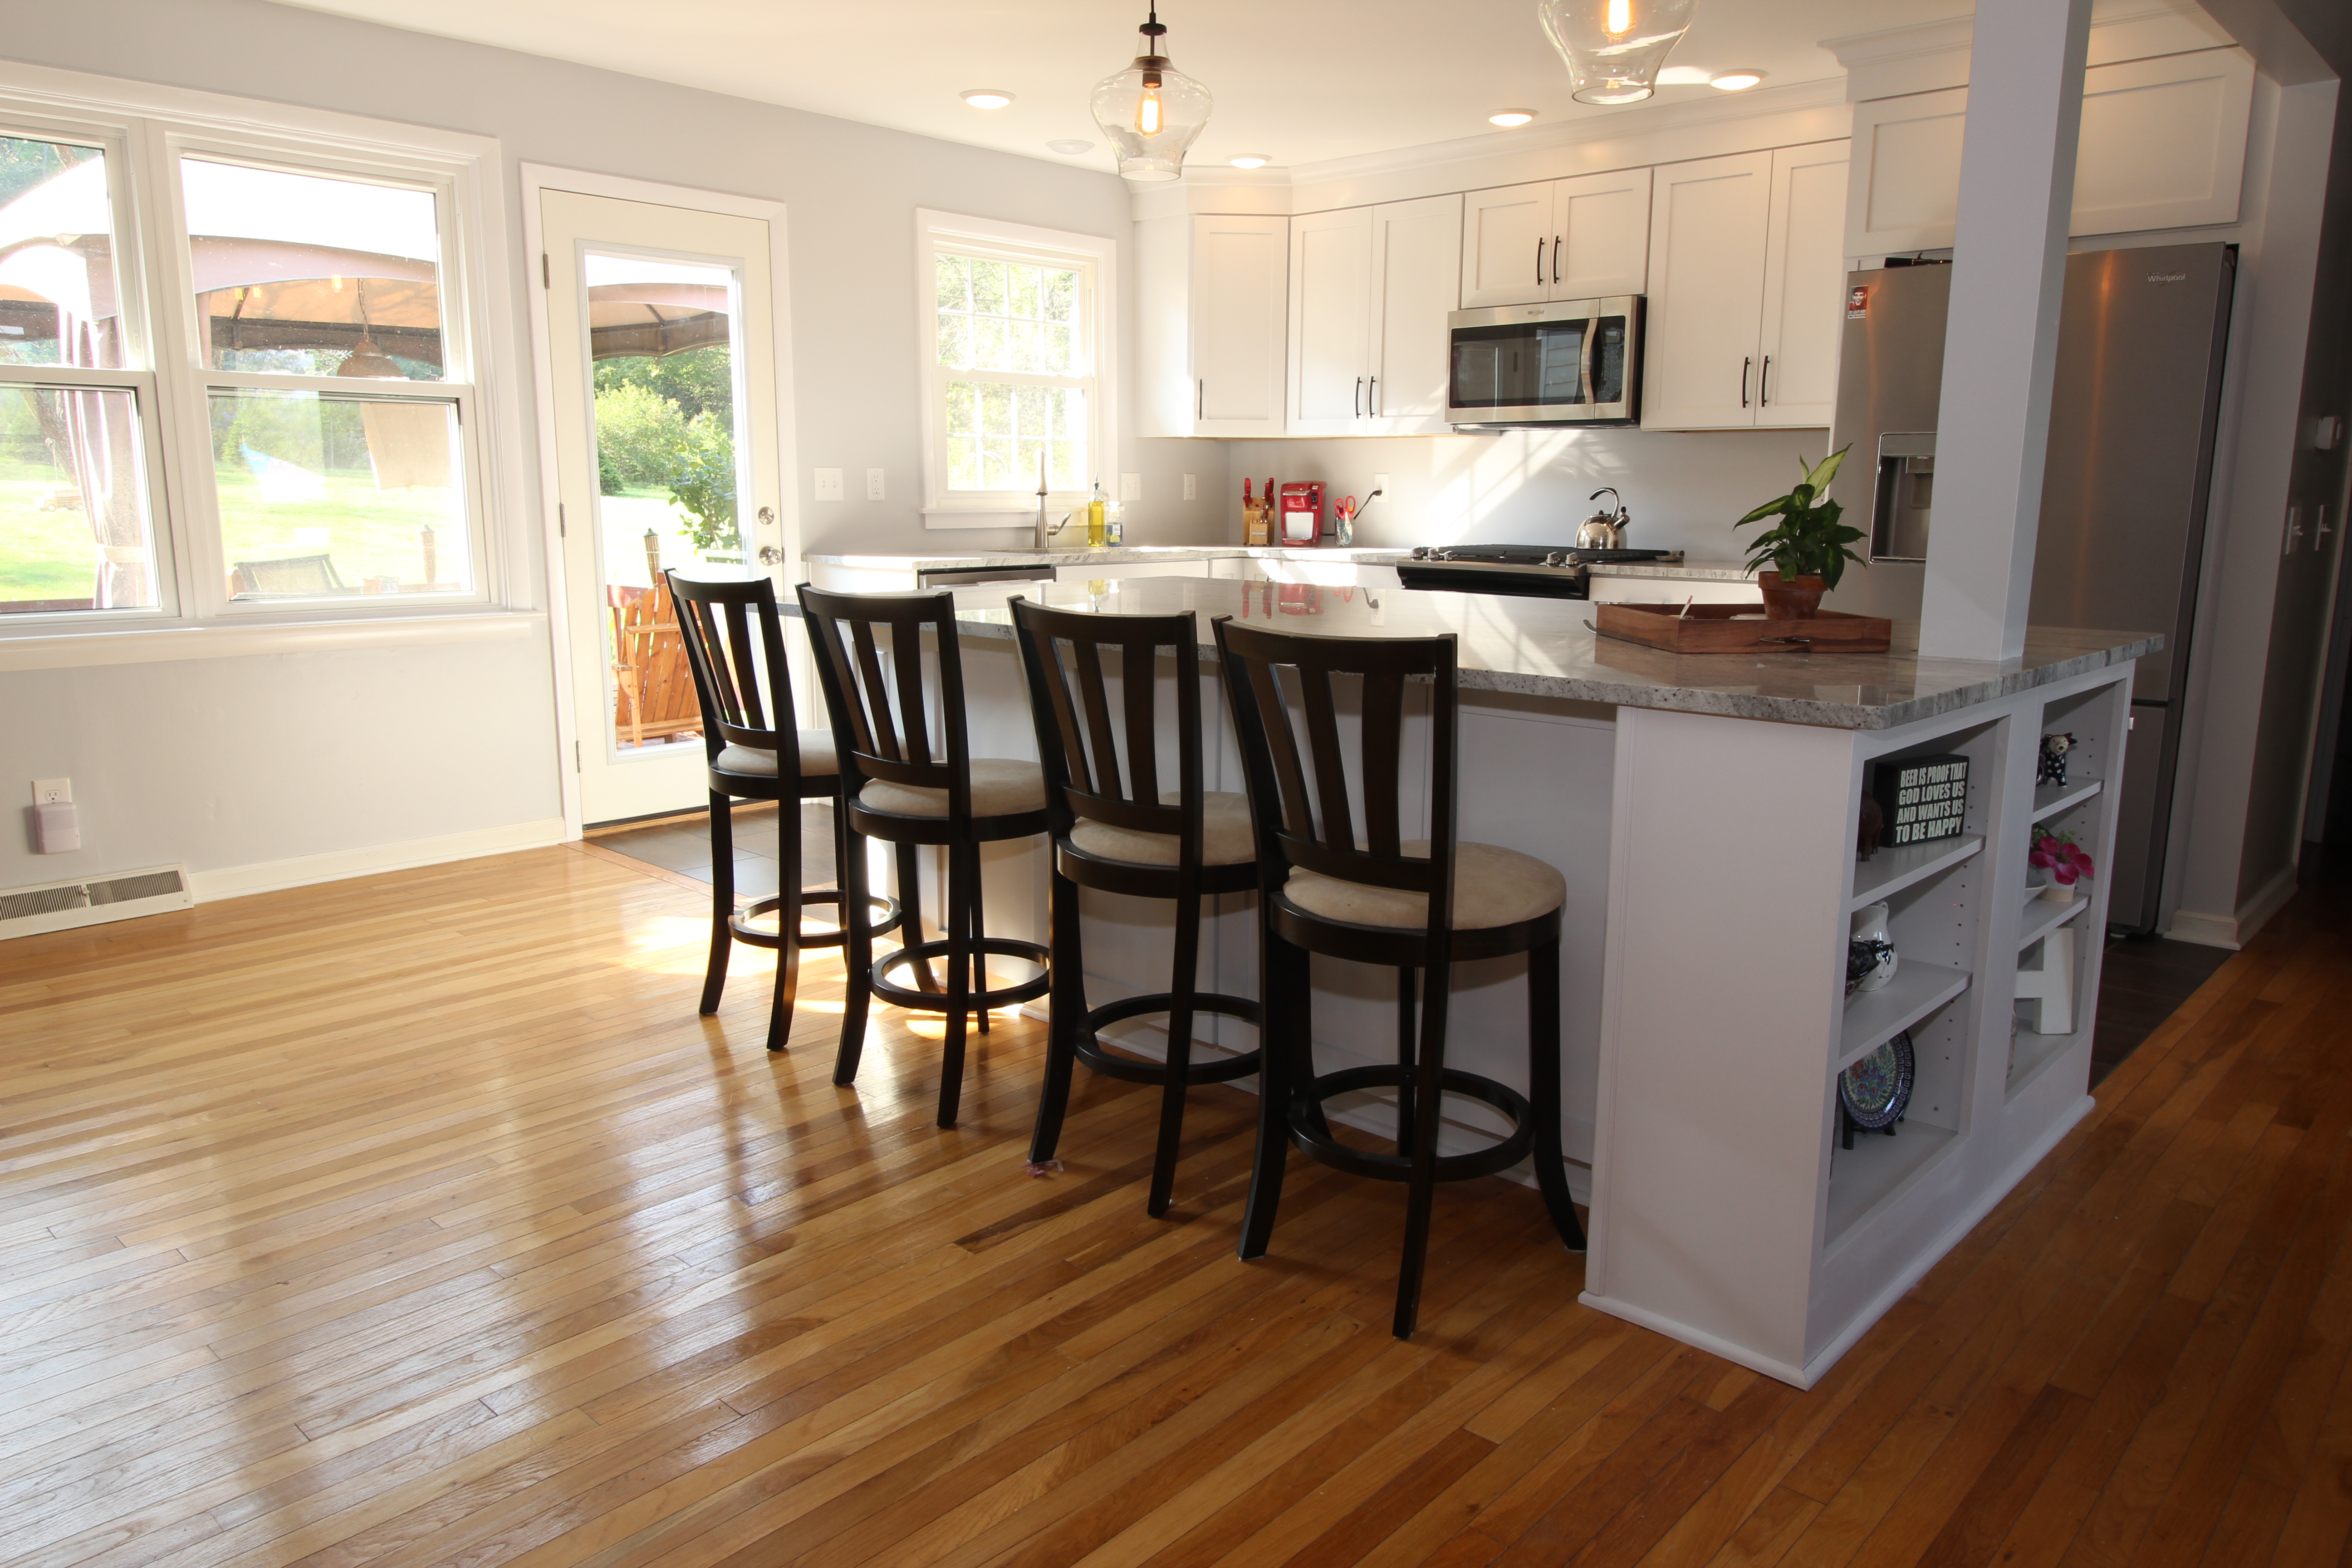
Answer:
(1745, 366)
(1200, 398)
(1357, 412)
(1764, 382)
(1539, 245)
(1555, 257)
(1372, 402)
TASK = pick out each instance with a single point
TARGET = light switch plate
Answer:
(828, 484)
(1131, 486)
(52, 791)
(1191, 487)
(874, 484)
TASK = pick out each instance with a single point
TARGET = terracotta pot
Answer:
(1798, 599)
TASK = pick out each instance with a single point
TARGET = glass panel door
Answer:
(661, 346)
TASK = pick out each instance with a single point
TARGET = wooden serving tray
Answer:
(1709, 628)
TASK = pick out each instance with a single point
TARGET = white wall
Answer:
(1533, 487)
(229, 762)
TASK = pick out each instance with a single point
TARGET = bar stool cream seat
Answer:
(1001, 787)
(816, 757)
(1491, 886)
(1226, 838)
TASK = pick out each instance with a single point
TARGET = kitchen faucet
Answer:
(1045, 533)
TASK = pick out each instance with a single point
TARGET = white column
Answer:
(2001, 342)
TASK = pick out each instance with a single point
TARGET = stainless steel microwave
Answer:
(1572, 361)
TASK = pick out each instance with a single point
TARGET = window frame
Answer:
(144, 132)
(1096, 257)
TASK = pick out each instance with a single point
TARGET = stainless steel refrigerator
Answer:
(2137, 398)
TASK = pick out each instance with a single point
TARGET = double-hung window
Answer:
(238, 373)
(1016, 369)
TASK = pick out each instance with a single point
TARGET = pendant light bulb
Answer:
(1152, 111)
(1614, 48)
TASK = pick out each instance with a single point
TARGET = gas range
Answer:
(1530, 571)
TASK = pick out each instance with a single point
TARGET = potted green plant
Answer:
(1807, 552)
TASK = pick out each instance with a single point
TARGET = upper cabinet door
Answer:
(1330, 322)
(1416, 278)
(1601, 235)
(2163, 145)
(1506, 245)
(1804, 287)
(1240, 267)
(1707, 222)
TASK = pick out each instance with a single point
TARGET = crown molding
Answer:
(1505, 157)
(1926, 56)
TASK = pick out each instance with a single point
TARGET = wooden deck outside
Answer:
(418, 1220)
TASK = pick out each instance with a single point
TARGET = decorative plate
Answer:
(1876, 1089)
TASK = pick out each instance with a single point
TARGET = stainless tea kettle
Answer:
(1604, 530)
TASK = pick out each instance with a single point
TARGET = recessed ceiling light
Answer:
(1251, 160)
(1735, 81)
(1068, 146)
(1511, 117)
(988, 97)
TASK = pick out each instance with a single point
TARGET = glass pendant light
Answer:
(1614, 48)
(1152, 111)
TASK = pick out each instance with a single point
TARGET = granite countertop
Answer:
(1081, 556)
(1546, 648)
(1687, 572)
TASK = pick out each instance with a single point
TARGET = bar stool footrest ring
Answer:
(917, 1001)
(1312, 1132)
(886, 917)
(1137, 1070)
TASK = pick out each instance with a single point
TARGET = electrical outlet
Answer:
(1131, 486)
(1381, 482)
(874, 484)
(52, 791)
(1191, 487)
(828, 484)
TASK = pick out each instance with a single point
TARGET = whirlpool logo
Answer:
(2168, 277)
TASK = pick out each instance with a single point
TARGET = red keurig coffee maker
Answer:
(1301, 513)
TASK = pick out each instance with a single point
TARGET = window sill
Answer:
(151, 645)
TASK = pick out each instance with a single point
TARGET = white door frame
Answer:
(540, 177)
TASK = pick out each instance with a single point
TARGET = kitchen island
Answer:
(1704, 812)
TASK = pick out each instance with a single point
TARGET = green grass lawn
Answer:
(369, 533)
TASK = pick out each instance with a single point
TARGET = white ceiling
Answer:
(1302, 80)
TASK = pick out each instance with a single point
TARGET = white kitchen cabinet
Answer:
(1370, 289)
(1708, 232)
(1744, 262)
(1330, 321)
(1804, 288)
(1580, 238)
(2163, 145)
(1416, 278)
(1213, 296)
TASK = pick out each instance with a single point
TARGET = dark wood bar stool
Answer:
(735, 647)
(895, 788)
(1387, 901)
(1116, 831)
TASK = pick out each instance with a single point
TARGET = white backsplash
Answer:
(1531, 486)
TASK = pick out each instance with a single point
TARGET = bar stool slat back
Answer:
(900, 787)
(1116, 830)
(1379, 897)
(735, 649)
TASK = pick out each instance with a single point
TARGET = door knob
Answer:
(771, 556)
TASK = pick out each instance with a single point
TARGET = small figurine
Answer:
(1873, 824)
(2051, 768)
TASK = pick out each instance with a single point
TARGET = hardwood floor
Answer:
(418, 1220)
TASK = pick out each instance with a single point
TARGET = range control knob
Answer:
(1420, 552)
(1556, 558)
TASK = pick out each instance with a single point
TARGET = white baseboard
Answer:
(303, 870)
(2234, 931)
